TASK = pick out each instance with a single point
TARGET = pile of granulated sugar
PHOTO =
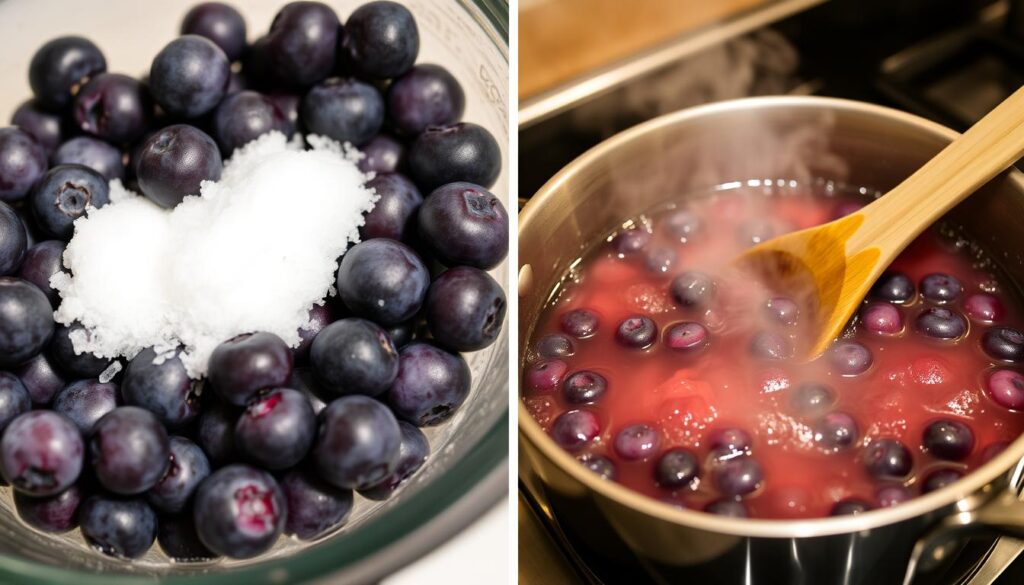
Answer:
(252, 252)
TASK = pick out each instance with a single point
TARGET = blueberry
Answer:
(769, 345)
(382, 280)
(239, 511)
(580, 323)
(41, 467)
(850, 507)
(60, 65)
(68, 360)
(462, 152)
(130, 450)
(426, 95)
(574, 429)
(86, 401)
(941, 323)
(882, 318)
(891, 495)
(1004, 343)
(939, 479)
(354, 356)
(545, 376)
(683, 224)
(465, 309)
(402, 333)
(46, 127)
(63, 194)
(315, 507)
(304, 380)
(849, 358)
(276, 429)
(26, 321)
(162, 388)
(14, 399)
(94, 153)
(220, 23)
(244, 116)
(629, 242)
(431, 385)
(894, 287)
(393, 216)
(584, 386)
(179, 539)
(174, 161)
(300, 47)
(599, 464)
(637, 441)
(13, 240)
(940, 288)
(984, 307)
(661, 260)
(836, 431)
(123, 528)
(738, 476)
(688, 335)
(357, 444)
(693, 289)
(1006, 387)
(383, 154)
(189, 76)
(729, 443)
(812, 398)
(113, 107)
(216, 433)
(888, 459)
(320, 316)
(555, 345)
(676, 468)
(187, 468)
(41, 379)
(54, 514)
(462, 223)
(381, 40)
(288, 105)
(637, 331)
(948, 439)
(22, 163)
(412, 454)
(343, 109)
(241, 367)
(782, 310)
(727, 507)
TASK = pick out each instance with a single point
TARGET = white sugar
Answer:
(252, 252)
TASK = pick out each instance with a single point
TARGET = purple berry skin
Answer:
(162, 388)
(384, 154)
(464, 224)
(220, 23)
(114, 107)
(26, 321)
(13, 240)
(179, 539)
(216, 433)
(188, 467)
(465, 309)
(241, 367)
(276, 429)
(412, 454)
(74, 365)
(41, 379)
(130, 450)
(189, 76)
(239, 511)
(62, 195)
(382, 280)
(41, 453)
(431, 385)
(123, 528)
(94, 153)
(300, 48)
(427, 95)
(174, 161)
(343, 109)
(86, 401)
(461, 152)
(315, 507)
(394, 214)
(14, 399)
(54, 514)
(357, 444)
(381, 40)
(22, 162)
(354, 356)
(244, 116)
(60, 65)
(320, 316)
(46, 127)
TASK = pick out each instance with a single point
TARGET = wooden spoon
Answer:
(829, 269)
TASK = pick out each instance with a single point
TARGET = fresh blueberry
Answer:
(123, 528)
(174, 161)
(412, 454)
(383, 154)
(462, 152)
(179, 539)
(555, 345)
(426, 95)
(676, 468)
(300, 47)
(1004, 343)
(729, 443)
(343, 109)
(383, 280)
(661, 260)
(693, 289)
(130, 450)
(637, 441)
(60, 65)
(1006, 387)
(46, 127)
(580, 323)
(941, 288)
(812, 398)
(402, 333)
(637, 331)
(465, 309)
(575, 428)
(941, 323)
(113, 107)
(882, 318)
(13, 240)
(320, 316)
(41, 379)
(63, 354)
(683, 224)
(464, 224)
(54, 514)
(728, 507)
(91, 152)
(357, 444)
(315, 507)
(189, 76)
(216, 433)
(288, 104)
(220, 23)
(63, 194)
(939, 479)
(26, 321)
(849, 358)
(431, 385)
(86, 401)
(244, 116)
(894, 287)
(239, 511)
(394, 214)
(160, 384)
(738, 476)
(769, 345)
(545, 376)
(41, 467)
(354, 356)
(629, 242)
(599, 464)
(836, 431)
(948, 439)
(782, 310)
(584, 387)
(888, 459)
(850, 507)
(22, 163)
(241, 367)
(14, 399)
(276, 429)
(688, 335)
(304, 380)
(891, 495)
(984, 307)
(381, 40)
(188, 467)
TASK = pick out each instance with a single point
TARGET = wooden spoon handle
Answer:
(989, 147)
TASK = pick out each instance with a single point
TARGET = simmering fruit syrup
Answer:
(661, 368)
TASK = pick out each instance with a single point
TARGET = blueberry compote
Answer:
(701, 380)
